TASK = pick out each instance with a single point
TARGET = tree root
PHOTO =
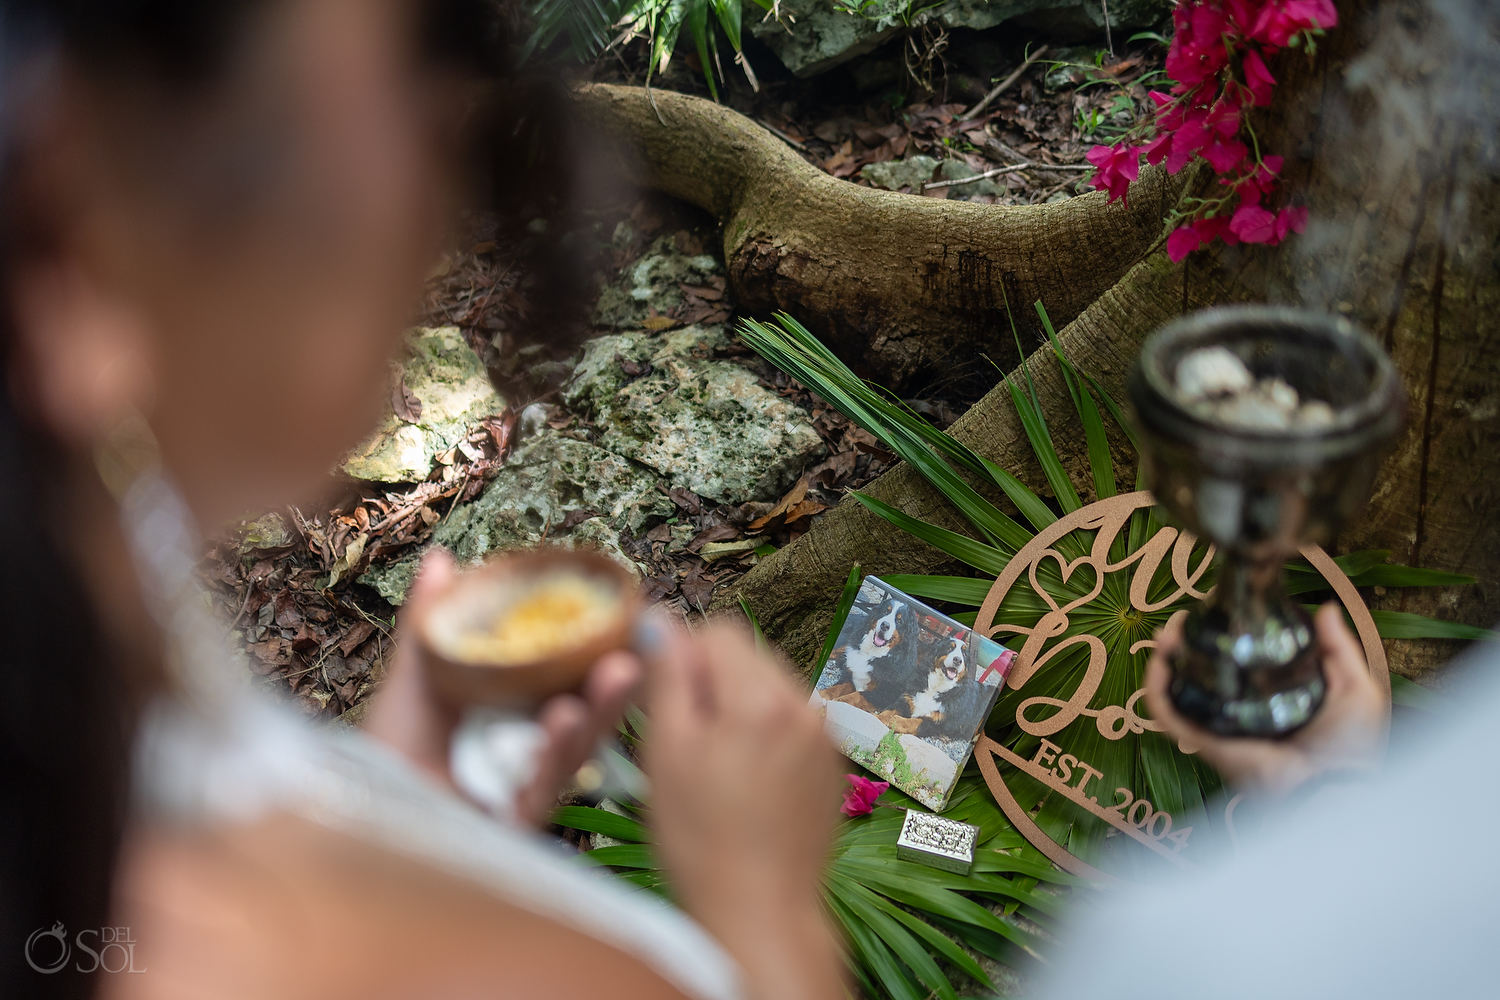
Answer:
(905, 287)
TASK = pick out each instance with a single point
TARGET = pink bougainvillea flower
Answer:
(1190, 65)
(1169, 111)
(1217, 61)
(1270, 168)
(1241, 14)
(1226, 154)
(1292, 219)
(1253, 186)
(1197, 50)
(859, 798)
(1183, 241)
(1279, 20)
(1156, 150)
(1253, 224)
(1224, 117)
(1217, 228)
(1117, 167)
(1188, 140)
(1258, 78)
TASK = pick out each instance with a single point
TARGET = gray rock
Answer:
(449, 381)
(392, 579)
(910, 173)
(814, 36)
(954, 170)
(267, 532)
(650, 284)
(545, 479)
(602, 535)
(914, 171)
(819, 36)
(702, 423)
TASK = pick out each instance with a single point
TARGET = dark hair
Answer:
(66, 727)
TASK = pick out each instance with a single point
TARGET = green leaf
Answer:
(1101, 462)
(697, 24)
(730, 17)
(791, 348)
(587, 24)
(1034, 422)
(1410, 694)
(914, 886)
(985, 558)
(1396, 575)
(1406, 625)
(1368, 568)
(957, 589)
(875, 955)
(861, 904)
(840, 613)
(623, 856)
(1031, 506)
(760, 636)
(936, 941)
(665, 23)
(1035, 426)
(1355, 563)
(592, 820)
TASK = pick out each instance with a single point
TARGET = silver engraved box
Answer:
(941, 843)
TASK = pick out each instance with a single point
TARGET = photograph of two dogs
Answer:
(910, 667)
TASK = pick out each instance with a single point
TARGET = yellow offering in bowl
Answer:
(526, 626)
(549, 615)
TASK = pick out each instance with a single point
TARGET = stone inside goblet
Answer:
(1215, 385)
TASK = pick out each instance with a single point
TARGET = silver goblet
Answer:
(1261, 429)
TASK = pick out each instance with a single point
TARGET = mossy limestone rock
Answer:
(546, 480)
(267, 532)
(652, 285)
(910, 173)
(448, 379)
(702, 423)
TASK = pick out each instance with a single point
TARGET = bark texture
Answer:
(904, 287)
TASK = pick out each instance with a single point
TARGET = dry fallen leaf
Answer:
(793, 497)
(722, 550)
(358, 633)
(404, 402)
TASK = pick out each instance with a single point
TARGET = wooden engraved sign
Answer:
(1081, 766)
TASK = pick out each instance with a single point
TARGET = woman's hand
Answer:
(745, 796)
(406, 715)
(1348, 733)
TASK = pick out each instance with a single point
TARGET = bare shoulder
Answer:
(287, 909)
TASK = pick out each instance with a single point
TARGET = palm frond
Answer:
(591, 26)
(894, 913)
(586, 24)
(1177, 784)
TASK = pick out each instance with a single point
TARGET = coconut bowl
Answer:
(476, 601)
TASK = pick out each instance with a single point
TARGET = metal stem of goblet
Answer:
(1248, 664)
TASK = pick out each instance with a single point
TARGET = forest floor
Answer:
(314, 632)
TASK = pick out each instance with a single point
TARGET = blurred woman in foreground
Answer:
(217, 221)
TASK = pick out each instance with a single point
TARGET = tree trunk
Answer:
(900, 285)
(1389, 137)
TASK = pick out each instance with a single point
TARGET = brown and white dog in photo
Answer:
(940, 699)
(869, 671)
